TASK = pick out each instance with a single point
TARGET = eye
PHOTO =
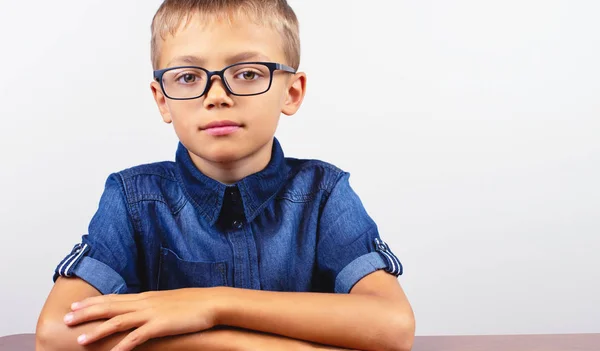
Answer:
(187, 78)
(248, 75)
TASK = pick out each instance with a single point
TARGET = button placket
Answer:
(237, 224)
(234, 195)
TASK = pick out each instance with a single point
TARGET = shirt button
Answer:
(237, 224)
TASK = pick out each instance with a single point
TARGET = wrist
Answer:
(222, 305)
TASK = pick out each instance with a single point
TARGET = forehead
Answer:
(218, 42)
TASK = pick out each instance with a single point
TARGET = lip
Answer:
(221, 128)
(220, 124)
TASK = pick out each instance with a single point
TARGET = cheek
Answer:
(266, 105)
(185, 113)
(262, 115)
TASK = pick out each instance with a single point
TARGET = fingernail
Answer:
(69, 318)
(81, 338)
(74, 305)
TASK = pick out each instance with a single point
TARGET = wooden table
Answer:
(557, 342)
(20, 342)
(553, 342)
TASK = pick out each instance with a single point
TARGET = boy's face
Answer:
(214, 46)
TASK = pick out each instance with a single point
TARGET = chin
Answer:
(223, 157)
(222, 153)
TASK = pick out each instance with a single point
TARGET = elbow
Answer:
(401, 331)
(46, 335)
(51, 335)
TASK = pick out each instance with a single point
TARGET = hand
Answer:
(151, 314)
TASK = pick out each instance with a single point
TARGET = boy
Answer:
(232, 246)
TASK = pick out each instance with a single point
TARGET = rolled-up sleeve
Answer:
(106, 257)
(349, 246)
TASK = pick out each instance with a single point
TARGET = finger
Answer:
(135, 338)
(114, 325)
(96, 300)
(101, 311)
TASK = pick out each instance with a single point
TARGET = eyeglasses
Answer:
(241, 79)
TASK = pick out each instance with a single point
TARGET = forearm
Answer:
(364, 322)
(228, 339)
(53, 335)
(62, 338)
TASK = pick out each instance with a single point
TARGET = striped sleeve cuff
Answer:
(79, 264)
(356, 270)
(394, 266)
(381, 259)
(66, 266)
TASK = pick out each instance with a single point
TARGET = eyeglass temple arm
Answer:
(286, 68)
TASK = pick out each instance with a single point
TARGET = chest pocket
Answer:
(175, 273)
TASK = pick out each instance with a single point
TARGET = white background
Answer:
(471, 129)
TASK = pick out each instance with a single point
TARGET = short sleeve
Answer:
(106, 257)
(349, 246)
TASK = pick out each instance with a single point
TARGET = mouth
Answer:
(219, 128)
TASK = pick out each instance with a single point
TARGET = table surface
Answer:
(553, 342)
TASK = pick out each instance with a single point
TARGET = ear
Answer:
(295, 94)
(161, 102)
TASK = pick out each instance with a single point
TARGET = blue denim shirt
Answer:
(297, 225)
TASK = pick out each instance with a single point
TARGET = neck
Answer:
(231, 172)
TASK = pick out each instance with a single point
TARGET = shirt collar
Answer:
(256, 189)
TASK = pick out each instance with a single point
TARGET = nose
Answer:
(217, 95)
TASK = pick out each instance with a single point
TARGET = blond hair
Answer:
(275, 13)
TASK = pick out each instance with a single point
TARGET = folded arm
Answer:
(53, 334)
(375, 315)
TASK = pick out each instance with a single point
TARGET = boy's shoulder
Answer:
(312, 174)
(161, 170)
(151, 182)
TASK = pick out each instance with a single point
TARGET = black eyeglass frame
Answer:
(272, 66)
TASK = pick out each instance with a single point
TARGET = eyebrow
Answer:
(241, 57)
